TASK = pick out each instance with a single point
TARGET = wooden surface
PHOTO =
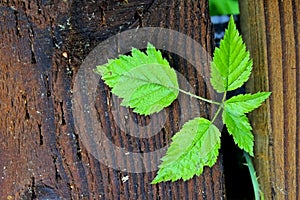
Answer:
(42, 45)
(272, 33)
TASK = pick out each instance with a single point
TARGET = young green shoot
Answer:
(147, 84)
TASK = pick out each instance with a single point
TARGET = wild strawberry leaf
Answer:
(146, 82)
(245, 103)
(231, 65)
(195, 146)
(239, 127)
(237, 122)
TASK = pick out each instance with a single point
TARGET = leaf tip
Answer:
(149, 45)
(157, 179)
(100, 69)
(250, 152)
(154, 181)
(231, 19)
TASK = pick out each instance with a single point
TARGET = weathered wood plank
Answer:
(272, 32)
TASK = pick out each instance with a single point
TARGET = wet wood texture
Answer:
(42, 45)
(272, 33)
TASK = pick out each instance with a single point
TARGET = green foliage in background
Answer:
(223, 7)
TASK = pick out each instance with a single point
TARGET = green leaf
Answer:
(239, 127)
(115, 68)
(236, 121)
(223, 7)
(146, 82)
(195, 146)
(245, 103)
(231, 65)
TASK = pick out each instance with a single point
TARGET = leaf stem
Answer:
(224, 97)
(257, 192)
(216, 114)
(220, 108)
(198, 97)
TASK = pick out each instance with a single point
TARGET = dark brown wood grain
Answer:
(42, 46)
(272, 33)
